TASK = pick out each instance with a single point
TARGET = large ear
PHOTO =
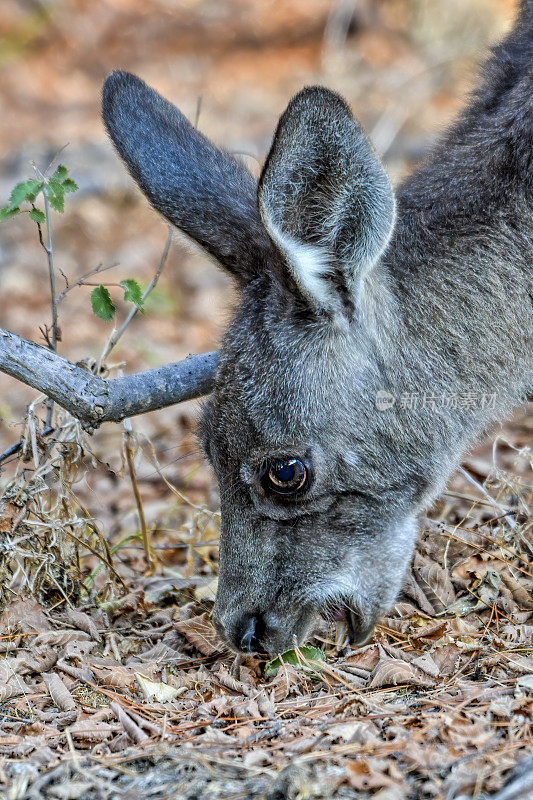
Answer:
(325, 200)
(203, 191)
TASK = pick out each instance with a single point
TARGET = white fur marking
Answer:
(308, 264)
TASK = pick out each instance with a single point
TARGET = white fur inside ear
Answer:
(309, 264)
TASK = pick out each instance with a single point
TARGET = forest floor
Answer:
(112, 680)
(125, 690)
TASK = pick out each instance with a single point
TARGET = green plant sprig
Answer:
(54, 189)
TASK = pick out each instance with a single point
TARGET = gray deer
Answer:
(353, 298)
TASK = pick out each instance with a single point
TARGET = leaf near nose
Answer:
(306, 659)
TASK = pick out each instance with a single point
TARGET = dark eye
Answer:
(285, 476)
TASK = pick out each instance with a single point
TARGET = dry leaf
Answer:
(367, 773)
(410, 588)
(59, 638)
(116, 676)
(24, 616)
(430, 632)
(200, 632)
(426, 663)
(285, 682)
(206, 592)
(482, 595)
(92, 730)
(228, 682)
(243, 708)
(58, 691)
(13, 686)
(83, 621)
(435, 582)
(354, 731)
(522, 596)
(364, 658)
(160, 692)
(130, 726)
(392, 672)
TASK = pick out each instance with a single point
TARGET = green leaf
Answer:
(37, 215)
(69, 185)
(133, 293)
(26, 190)
(55, 187)
(60, 183)
(7, 212)
(57, 203)
(56, 195)
(298, 660)
(61, 174)
(102, 304)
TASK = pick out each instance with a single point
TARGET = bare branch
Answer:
(94, 400)
(81, 281)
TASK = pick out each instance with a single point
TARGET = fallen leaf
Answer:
(59, 638)
(521, 595)
(525, 682)
(392, 671)
(12, 686)
(426, 663)
(200, 632)
(83, 621)
(285, 682)
(93, 730)
(24, 616)
(434, 580)
(306, 659)
(117, 677)
(483, 594)
(58, 691)
(364, 658)
(206, 592)
(161, 692)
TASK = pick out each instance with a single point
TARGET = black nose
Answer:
(248, 639)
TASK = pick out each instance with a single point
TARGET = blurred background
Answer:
(403, 65)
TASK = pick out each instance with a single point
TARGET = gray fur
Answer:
(445, 307)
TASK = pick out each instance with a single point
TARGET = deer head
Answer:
(322, 469)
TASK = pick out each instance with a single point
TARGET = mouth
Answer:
(359, 631)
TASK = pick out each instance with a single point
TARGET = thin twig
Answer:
(81, 280)
(128, 449)
(116, 335)
(16, 448)
(488, 498)
(49, 250)
(53, 162)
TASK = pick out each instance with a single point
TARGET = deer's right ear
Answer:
(325, 200)
(206, 193)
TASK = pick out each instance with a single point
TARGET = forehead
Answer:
(282, 383)
(261, 409)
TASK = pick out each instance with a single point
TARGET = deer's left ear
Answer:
(325, 200)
